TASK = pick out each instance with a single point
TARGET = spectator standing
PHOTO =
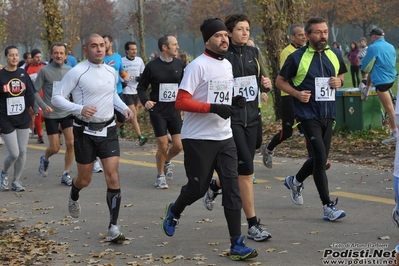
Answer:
(355, 64)
(362, 53)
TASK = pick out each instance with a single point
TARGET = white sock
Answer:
(296, 182)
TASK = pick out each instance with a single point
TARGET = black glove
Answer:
(239, 101)
(138, 78)
(224, 111)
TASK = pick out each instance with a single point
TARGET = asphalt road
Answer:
(299, 234)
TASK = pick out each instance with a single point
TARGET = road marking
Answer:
(362, 197)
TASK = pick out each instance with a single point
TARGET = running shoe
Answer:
(364, 91)
(142, 140)
(97, 167)
(168, 170)
(43, 166)
(171, 221)
(66, 179)
(16, 185)
(73, 207)
(114, 234)
(390, 140)
(257, 233)
(4, 181)
(254, 180)
(331, 213)
(241, 252)
(296, 191)
(40, 140)
(161, 182)
(267, 157)
(395, 216)
(209, 198)
(1, 141)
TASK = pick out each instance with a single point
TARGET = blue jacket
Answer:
(300, 70)
(380, 62)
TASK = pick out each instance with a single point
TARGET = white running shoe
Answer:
(364, 91)
(73, 207)
(114, 234)
(391, 140)
(97, 167)
(331, 213)
(161, 182)
(296, 191)
(16, 185)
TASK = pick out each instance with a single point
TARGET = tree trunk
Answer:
(141, 31)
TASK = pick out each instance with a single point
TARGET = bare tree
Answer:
(72, 12)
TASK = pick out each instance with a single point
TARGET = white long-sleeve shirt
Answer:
(90, 85)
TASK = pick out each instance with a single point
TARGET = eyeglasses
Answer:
(319, 32)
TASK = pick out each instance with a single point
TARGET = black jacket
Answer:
(245, 62)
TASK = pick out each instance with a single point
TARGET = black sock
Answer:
(213, 185)
(74, 192)
(233, 218)
(252, 221)
(114, 203)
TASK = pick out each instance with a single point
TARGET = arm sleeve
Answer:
(185, 103)
(143, 85)
(39, 82)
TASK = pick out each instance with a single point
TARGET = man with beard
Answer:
(311, 74)
(205, 97)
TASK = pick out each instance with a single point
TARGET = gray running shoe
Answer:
(4, 181)
(257, 233)
(73, 207)
(161, 182)
(209, 198)
(114, 234)
(97, 167)
(168, 170)
(16, 185)
(43, 166)
(267, 157)
(331, 213)
(66, 179)
(296, 191)
(390, 140)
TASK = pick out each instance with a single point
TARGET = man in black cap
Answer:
(205, 94)
(380, 62)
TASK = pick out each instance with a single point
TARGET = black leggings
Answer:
(355, 76)
(287, 117)
(318, 135)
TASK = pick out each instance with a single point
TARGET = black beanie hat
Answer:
(35, 52)
(211, 26)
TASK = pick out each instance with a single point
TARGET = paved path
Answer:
(300, 236)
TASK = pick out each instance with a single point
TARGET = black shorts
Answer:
(52, 125)
(162, 125)
(245, 139)
(8, 127)
(383, 87)
(88, 147)
(131, 99)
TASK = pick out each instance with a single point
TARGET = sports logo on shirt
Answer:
(15, 87)
(111, 63)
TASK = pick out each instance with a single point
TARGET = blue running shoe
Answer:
(241, 252)
(170, 221)
(331, 213)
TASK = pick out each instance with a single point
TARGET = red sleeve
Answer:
(185, 103)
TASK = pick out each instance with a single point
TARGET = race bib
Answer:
(168, 92)
(324, 92)
(246, 87)
(99, 133)
(220, 91)
(15, 105)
